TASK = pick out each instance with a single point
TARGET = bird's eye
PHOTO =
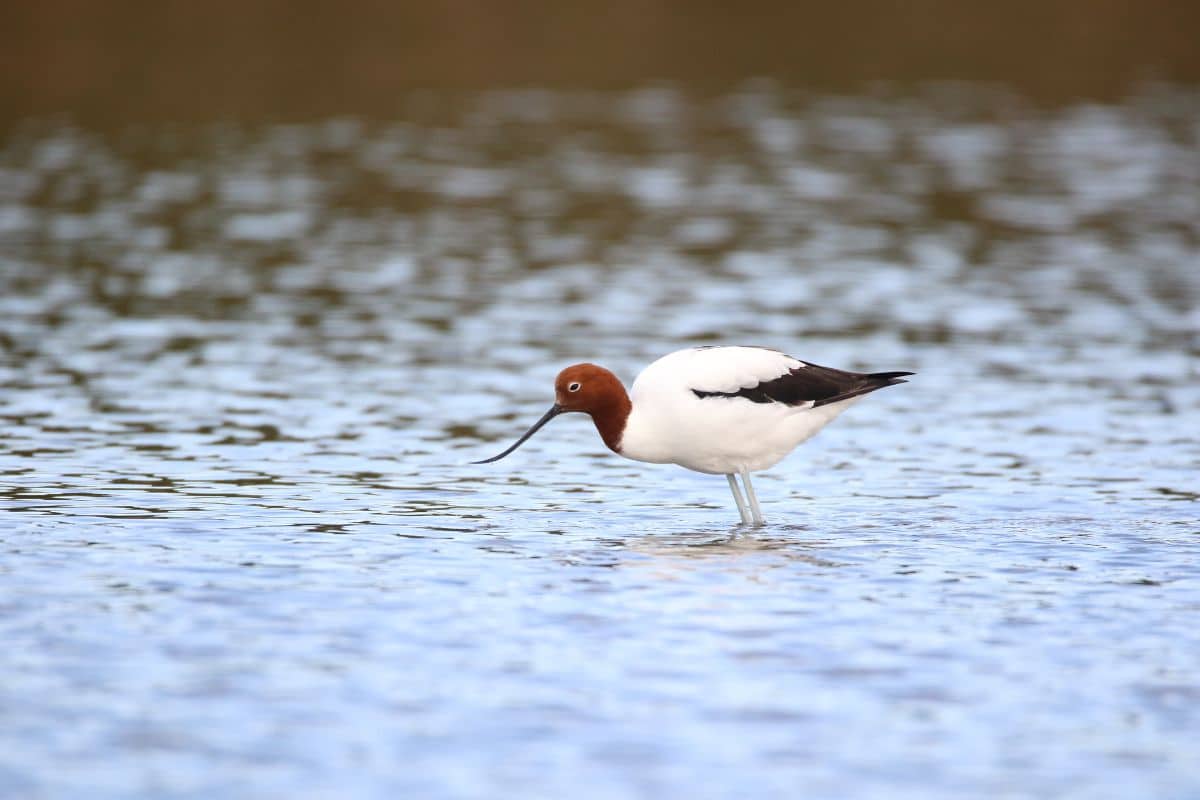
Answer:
(574, 387)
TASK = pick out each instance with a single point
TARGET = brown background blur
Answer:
(262, 59)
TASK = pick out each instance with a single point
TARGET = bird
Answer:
(720, 410)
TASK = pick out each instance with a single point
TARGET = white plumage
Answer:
(670, 424)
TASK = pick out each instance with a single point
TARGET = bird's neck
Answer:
(610, 419)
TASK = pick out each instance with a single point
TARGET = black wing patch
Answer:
(814, 384)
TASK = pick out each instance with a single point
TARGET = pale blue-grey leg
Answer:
(753, 498)
(737, 498)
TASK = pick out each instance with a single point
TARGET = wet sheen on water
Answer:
(244, 370)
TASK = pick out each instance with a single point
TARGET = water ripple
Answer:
(243, 371)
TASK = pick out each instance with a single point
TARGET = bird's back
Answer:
(719, 369)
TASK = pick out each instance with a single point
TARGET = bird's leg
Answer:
(737, 498)
(753, 498)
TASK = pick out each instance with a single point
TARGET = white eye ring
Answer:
(574, 387)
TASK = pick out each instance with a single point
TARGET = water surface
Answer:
(244, 370)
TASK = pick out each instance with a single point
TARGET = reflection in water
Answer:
(244, 370)
(729, 545)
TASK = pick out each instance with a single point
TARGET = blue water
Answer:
(243, 553)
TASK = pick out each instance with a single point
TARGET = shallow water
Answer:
(244, 371)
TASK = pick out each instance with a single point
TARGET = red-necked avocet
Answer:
(719, 410)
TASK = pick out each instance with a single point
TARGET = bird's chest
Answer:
(648, 436)
(706, 436)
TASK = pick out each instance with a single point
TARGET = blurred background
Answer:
(272, 274)
(273, 59)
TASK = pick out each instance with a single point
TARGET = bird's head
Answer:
(587, 388)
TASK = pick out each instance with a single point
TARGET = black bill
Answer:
(554, 411)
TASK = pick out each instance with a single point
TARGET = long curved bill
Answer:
(554, 411)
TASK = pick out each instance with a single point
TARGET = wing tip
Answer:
(889, 378)
(873, 382)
